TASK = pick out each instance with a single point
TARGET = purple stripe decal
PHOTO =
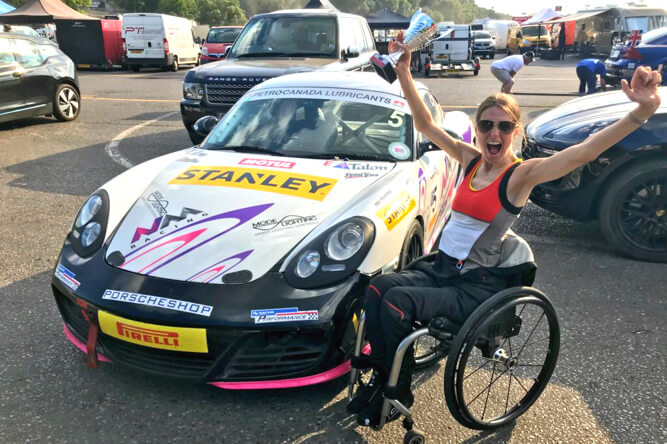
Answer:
(467, 136)
(241, 257)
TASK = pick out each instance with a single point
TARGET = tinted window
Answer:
(531, 31)
(47, 51)
(222, 35)
(481, 35)
(26, 53)
(6, 53)
(287, 35)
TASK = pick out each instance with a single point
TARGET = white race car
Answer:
(241, 263)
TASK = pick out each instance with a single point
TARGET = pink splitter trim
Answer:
(80, 345)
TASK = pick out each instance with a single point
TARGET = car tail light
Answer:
(122, 41)
(166, 46)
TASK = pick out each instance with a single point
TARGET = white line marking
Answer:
(111, 148)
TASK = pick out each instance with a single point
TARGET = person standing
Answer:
(587, 71)
(562, 41)
(505, 69)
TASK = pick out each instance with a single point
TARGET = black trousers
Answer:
(395, 301)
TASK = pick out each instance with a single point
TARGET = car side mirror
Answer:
(425, 146)
(350, 53)
(227, 50)
(205, 125)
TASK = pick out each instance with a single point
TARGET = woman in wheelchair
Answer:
(465, 271)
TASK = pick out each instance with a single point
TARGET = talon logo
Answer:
(281, 182)
(164, 221)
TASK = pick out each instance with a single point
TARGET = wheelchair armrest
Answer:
(443, 328)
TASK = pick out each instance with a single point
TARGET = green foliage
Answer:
(181, 8)
(221, 12)
(76, 4)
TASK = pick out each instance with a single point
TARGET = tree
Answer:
(181, 8)
(76, 4)
(221, 12)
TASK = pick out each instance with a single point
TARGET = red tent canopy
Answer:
(43, 11)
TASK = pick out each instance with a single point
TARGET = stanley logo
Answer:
(291, 184)
(156, 336)
(394, 212)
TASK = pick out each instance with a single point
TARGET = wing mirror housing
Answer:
(205, 125)
(227, 50)
(425, 146)
(349, 53)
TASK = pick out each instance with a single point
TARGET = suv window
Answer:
(26, 53)
(222, 35)
(352, 36)
(287, 35)
(6, 53)
(47, 51)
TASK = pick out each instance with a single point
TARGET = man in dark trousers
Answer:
(561, 41)
(587, 71)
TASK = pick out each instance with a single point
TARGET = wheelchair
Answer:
(498, 362)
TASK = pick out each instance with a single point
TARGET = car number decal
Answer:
(151, 335)
(282, 182)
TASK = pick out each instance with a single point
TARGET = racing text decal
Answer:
(291, 184)
(155, 336)
(394, 212)
(283, 315)
(67, 277)
(158, 301)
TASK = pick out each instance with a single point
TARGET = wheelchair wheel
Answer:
(428, 351)
(502, 358)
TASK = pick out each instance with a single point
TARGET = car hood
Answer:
(210, 213)
(255, 68)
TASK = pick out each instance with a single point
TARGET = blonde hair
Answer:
(505, 102)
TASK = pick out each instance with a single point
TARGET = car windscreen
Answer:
(318, 127)
(284, 36)
(222, 35)
(481, 35)
(531, 31)
(655, 37)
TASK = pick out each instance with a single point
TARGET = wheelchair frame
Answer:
(473, 334)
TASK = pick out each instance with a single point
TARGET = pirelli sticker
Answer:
(396, 210)
(281, 182)
(152, 335)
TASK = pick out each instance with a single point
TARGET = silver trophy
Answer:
(420, 33)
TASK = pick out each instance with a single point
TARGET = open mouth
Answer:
(493, 148)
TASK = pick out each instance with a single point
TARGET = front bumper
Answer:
(151, 62)
(192, 110)
(209, 59)
(240, 352)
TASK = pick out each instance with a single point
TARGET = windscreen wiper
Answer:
(350, 156)
(307, 54)
(262, 54)
(246, 149)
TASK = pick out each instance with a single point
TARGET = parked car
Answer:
(624, 188)
(625, 58)
(452, 51)
(483, 44)
(241, 263)
(528, 38)
(159, 40)
(25, 30)
(218, 39)
(36, 79)
(273, 44)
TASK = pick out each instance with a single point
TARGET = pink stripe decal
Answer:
(287, 383)
(80, 345)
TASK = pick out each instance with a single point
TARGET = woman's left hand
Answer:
(643, 89)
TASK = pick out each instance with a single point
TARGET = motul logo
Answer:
(148, 335)
(267, 163)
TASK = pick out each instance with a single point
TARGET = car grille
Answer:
(277, 355)
(226, 94)
(234, 354)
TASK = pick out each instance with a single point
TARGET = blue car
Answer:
(651, 51)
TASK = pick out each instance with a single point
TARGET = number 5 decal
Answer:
(396, 119)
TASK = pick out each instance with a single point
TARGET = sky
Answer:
(529, 7)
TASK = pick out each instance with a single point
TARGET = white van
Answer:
(500, 29)
(159, 40)
(452, 51)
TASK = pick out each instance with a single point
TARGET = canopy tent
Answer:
(42, 11)
(578, 16)
(4, 7)
(319, 4)
(387, 19)
(542, 16)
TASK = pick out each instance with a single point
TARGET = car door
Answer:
(11, 76)
(37, 85)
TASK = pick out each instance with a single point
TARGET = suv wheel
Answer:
(633, 211)
(66, 103)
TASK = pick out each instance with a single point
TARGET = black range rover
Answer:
(271, 45)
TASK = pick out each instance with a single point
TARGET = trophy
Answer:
(419, 34)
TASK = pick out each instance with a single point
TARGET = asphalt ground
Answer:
(608, 386)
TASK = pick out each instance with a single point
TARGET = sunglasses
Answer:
(505, 126)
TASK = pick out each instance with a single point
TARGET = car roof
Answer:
(32, 38)
(226, 27)
(367, 81)
(325, 12)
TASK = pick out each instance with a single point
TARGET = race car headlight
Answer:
(89, 228)
(344, 241)
(204, 51)
(333, 255)
(193, 90)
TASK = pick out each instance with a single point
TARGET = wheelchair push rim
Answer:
(489, 383)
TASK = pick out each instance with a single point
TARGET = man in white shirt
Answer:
(505, 69)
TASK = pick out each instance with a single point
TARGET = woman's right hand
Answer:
(403, 64)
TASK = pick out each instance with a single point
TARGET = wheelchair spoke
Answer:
(509, 387)
(485, 388)
(488, 360)
(519, 382)
(535, 342)
(486, 401)
(531, 334)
